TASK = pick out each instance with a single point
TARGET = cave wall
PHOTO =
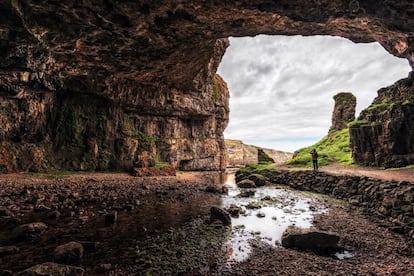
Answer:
(106, 84)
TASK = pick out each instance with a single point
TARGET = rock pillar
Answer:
(344, 110)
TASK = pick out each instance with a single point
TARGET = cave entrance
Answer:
(282, 87)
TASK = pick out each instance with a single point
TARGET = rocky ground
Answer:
(133, 226)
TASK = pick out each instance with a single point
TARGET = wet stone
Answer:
(261, 215)
(234, 210)
(217, 213)
(253, 205)
(259, 180)
(28, 231)
(320, 242)
(247, 193)
(246, 184)
(217, 189)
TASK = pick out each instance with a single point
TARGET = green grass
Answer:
(383, 104)
(161, 164)
(358, 123)
(402, 168)
(332, 148)
(253, 169)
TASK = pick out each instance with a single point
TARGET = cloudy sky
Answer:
(281, 87)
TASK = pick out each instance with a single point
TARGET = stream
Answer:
(267, 214)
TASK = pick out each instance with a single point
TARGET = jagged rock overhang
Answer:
(150, 59)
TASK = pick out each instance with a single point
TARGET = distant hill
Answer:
(240, 154)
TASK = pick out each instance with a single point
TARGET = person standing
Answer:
(314, 159)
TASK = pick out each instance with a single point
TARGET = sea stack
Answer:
(344, 110)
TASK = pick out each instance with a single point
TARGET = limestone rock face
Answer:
(240, 154)
(383, 136)
(98, 84)
(344, 110)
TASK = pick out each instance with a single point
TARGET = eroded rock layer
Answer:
(103, 84)
(344, 110)
(383, 135)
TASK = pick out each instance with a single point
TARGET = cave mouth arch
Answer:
(282, 87)
(152, 68)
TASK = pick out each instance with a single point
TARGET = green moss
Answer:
(263, 157)
(254, 168)
(254, 205)
(402, 168)
(381, 105)
(68, 125)
(358, 123)
(216, 91)
(160, 164)
(332, 148)
(38, 33)
(146, 141)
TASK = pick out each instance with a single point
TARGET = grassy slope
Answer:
(332, 148)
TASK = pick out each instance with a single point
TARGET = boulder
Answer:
(247, 193)
(234, 210)
(254, 205)
(217, 213)
(70, 253)
(217, 189)
(52, 269)
(320, 242)
(28, 231)
(246, 183)
(258, 179)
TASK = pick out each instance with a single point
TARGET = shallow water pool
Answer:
(275, 209)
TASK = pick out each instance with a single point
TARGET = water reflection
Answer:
(279, 209)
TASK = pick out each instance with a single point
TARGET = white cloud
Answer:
(281, 87)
